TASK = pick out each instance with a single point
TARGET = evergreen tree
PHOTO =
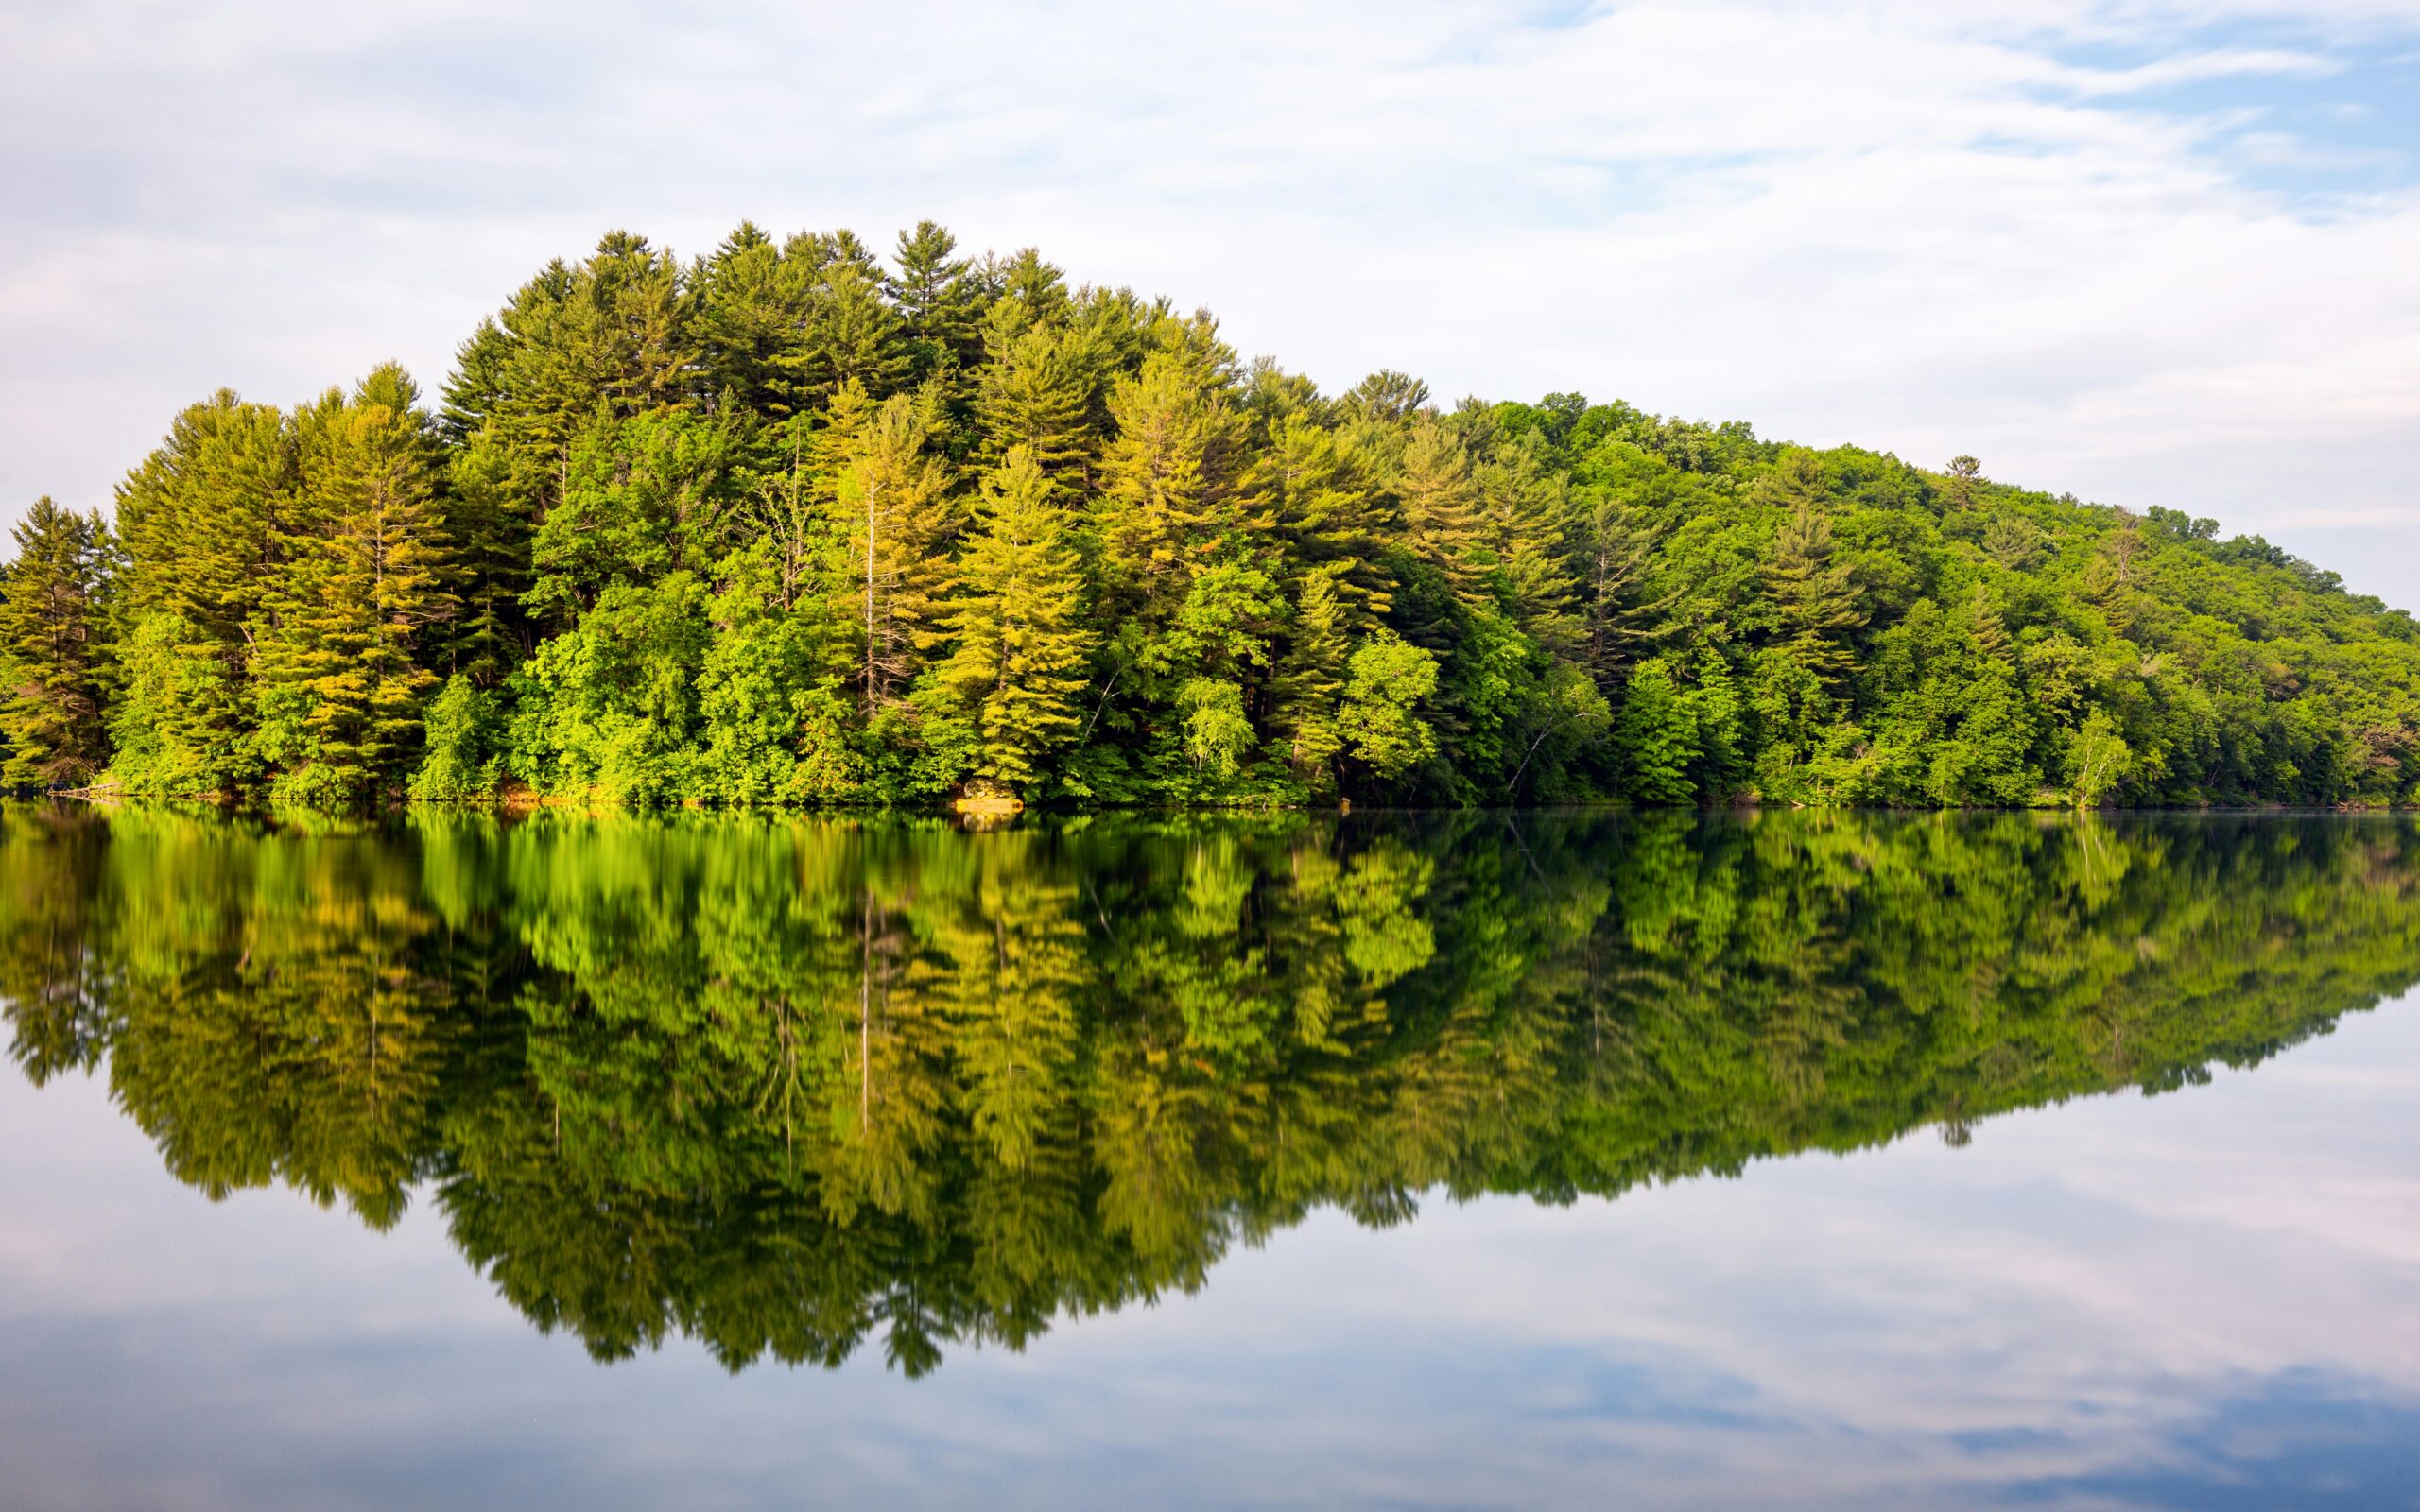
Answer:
(852, 336)
(340, 675)
(1442, 506)
(1310, 680)
(54, 649)
(1036, 286)
(935, 301)
(1388, 396)
(1167, 482)
(1618, 619)
(1523, 509)
(2013, 541)
(1017, 618)
(1036, 391)
(486, 519)
(752, 309)
(206, 521)
(1817, 598)
(1311, 495)
(1964, 474)
(891, 515)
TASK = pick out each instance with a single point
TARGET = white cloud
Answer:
(1925, 228)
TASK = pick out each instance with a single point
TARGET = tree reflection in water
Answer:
(784, 1084)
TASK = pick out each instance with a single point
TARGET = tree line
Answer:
(787, 1086)
(791, 523)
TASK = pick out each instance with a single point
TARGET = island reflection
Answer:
(786, 1085)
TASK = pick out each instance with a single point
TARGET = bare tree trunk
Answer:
(872, 492)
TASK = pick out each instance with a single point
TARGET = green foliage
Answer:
(1659, 736)
(796, 1087)
(1387, 681)
(1021, 643)
(466, 740)
(339, 662)
(611, 711)
(54, 649)
(784, 525)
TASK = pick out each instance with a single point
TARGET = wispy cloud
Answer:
(2080, 239)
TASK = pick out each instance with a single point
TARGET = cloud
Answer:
(2081, 240)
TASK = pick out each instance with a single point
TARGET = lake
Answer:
(1440, 1161)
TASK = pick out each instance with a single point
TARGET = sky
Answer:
(2149, 253)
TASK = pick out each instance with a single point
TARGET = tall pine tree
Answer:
(52, 649)
(1819, 601)
(341, 674)
(890, 515)
(1021, 645)
(1167, 482)
(1441, 505)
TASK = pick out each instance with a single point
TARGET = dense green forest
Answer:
(787, 1084)
(793, 523)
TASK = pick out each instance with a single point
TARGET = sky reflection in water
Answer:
(2198, 1299)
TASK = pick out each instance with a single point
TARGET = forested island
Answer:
(792, 524)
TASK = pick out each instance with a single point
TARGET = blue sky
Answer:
(2146, 253)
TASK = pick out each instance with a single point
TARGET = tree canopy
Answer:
(793, 523)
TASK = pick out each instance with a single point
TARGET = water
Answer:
(1440, 1161)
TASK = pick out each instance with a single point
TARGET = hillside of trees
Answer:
(795, 523)
(788, 1085)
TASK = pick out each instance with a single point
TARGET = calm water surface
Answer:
(1564, 1160)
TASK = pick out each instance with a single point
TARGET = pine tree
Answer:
(1618, 618)
(2013, 541)
(1308, 492)
(1964, 474)
(1818, 599)
(1036, 391)
(890, 511)
(1310, 680)
(936, 304)
(629, 338)
(1035, 285)
(205, 521)
(1389, 397)
(1021, 645)
(2103, 586)
(200, 518)
(750, 314)
(621, 335)
(1442, 506)
(341, 677)
(53, 649)
(1984, 623)
(488, 521)
(1168, 481)
(613, 334)
(1523, 508)
(853, 336)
